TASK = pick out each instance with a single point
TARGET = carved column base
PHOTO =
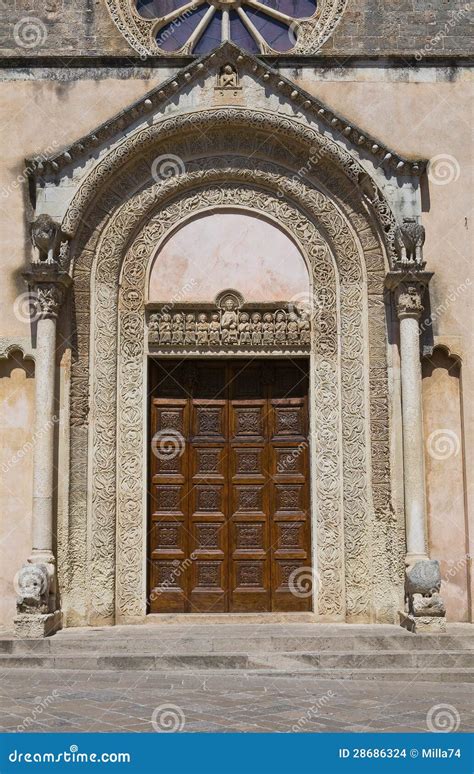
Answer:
(426, 624)
(37, 625)
(425, 610)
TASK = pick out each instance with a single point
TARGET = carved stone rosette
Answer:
(229, 325)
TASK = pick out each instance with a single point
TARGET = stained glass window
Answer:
(198, 26)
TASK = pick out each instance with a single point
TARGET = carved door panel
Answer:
(289, 508)
(230, 529)
(168, 500)
(208, 506)
(250, 588)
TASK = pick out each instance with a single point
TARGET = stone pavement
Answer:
(106, 701)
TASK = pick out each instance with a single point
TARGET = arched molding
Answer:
(123, 225)
(9, 348)
(340, 226)
(255, 133)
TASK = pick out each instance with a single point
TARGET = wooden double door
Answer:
(229, 489)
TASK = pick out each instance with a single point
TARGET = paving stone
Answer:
(252, 703)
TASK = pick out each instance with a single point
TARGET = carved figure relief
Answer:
(229, 327)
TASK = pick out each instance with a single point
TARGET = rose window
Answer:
(197, 27)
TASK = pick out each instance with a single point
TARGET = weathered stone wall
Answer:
(84, 28)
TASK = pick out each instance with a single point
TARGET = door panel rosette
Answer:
(196, 27)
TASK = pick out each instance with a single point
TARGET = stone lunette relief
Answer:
(230, 324)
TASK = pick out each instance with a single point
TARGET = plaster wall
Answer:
(16, 475)
(229, 250)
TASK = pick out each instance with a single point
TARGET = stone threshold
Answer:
(170, 619)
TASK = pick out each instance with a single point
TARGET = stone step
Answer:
(312, 662)
(213, 643)
(234, 668)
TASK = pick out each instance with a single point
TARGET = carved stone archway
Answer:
(359, 538)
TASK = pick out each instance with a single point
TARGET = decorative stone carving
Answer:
(423, 578)
(33, 583)
(143, 33)
(332, 406)
(36, 616)
(235, 326)
(423, 600)
(228, 78)
(409, 302)
(409, 241)
(44, 235)
(409, 288)
(49, 297)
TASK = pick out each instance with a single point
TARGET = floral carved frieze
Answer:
(230, 325)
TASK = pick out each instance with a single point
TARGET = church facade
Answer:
(235, 342)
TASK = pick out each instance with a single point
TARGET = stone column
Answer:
(37, 613)
(423, 579)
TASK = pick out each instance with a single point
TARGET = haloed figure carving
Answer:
(229, 326)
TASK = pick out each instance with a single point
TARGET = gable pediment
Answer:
(204, 84)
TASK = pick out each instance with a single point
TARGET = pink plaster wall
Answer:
(16, 476)
(228, 250)
(445, 480)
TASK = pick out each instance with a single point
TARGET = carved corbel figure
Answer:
(409, 241)
(45, 234)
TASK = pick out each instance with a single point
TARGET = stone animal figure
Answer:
(33, 589)
(44, 235)
(409, 241)
(422, 586)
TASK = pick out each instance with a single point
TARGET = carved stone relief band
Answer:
(230, 325)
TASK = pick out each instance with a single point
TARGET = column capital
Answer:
(49, 284)
(408, 288)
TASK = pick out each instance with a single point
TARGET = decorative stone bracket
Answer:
(229, 325)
